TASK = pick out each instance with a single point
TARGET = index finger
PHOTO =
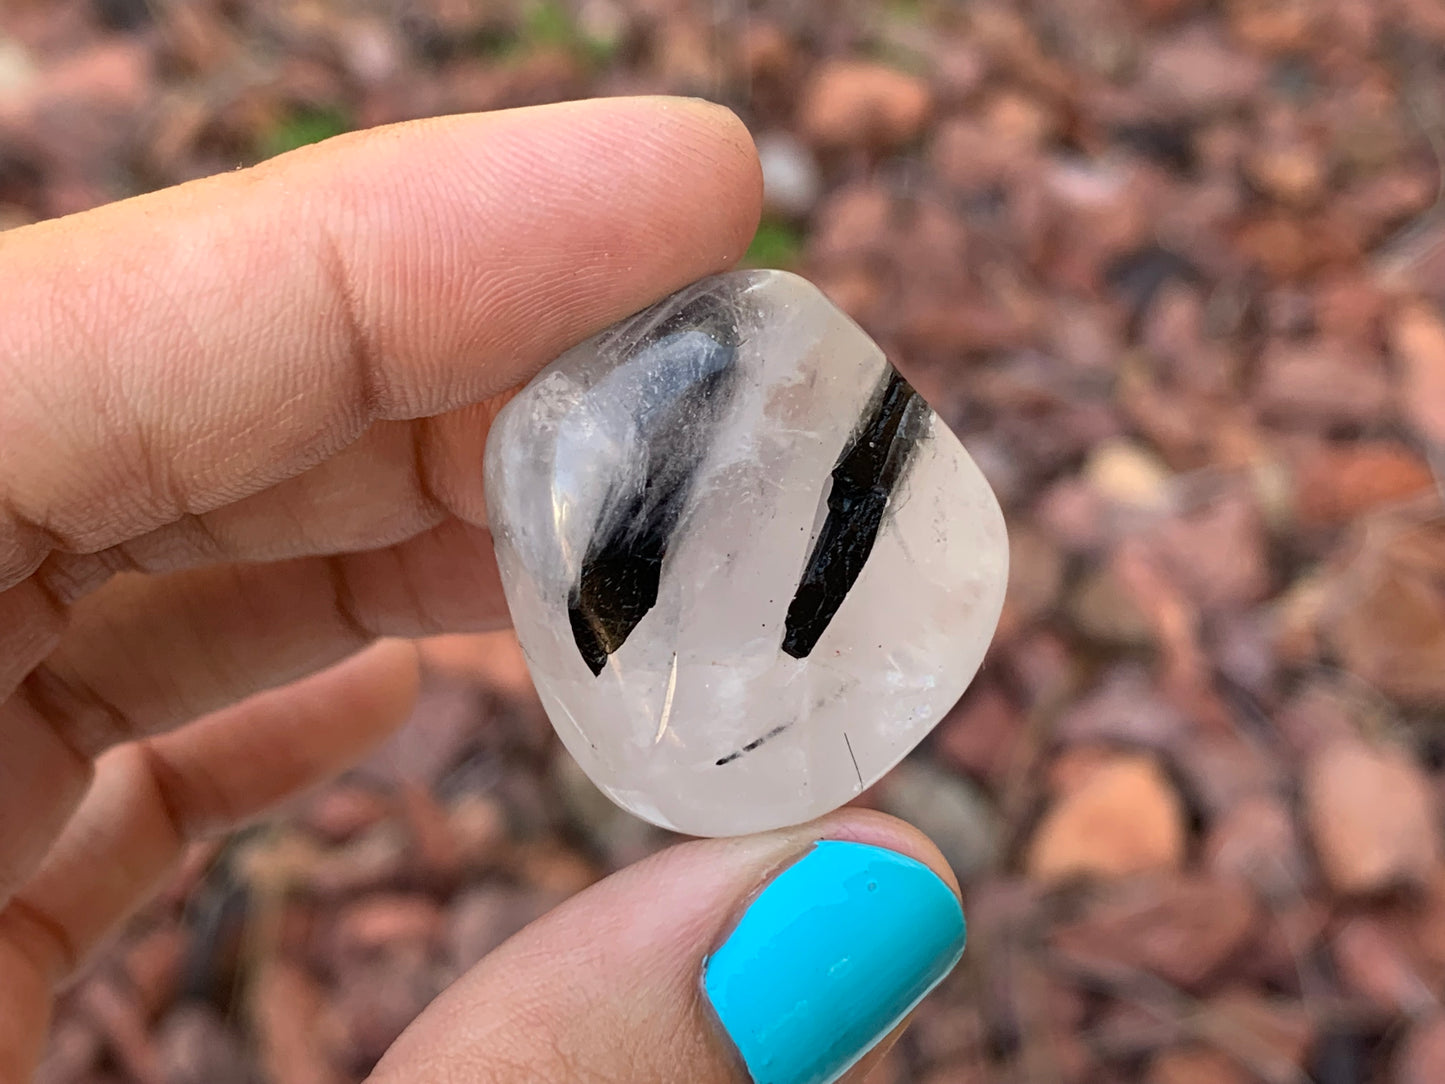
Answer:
(173, 353)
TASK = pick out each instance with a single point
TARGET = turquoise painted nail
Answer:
(829, 957)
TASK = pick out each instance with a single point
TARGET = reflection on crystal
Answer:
(749, 567)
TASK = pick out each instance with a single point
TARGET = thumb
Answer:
(782, 958)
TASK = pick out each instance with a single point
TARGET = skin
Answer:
(241, 473)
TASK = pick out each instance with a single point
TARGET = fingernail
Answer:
(829, 958)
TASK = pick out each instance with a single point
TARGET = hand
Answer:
(241, 433)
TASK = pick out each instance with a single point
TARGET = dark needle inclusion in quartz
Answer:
(686, 364)
(688, 360)
(864, 478)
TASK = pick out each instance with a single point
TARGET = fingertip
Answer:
(738, 153)
(748, 177)
(714, 140)
(715, 143)
(395, 665)
(833, 954)
(554, 221)
(888, 832)
(793, 957)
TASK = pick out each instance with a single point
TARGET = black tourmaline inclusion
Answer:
(690, 356)
(865, 477)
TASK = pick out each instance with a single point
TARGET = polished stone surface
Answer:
(748, 565)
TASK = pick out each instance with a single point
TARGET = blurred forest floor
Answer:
(1173, 269)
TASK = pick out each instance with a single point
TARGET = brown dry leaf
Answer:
(1418, 339)
(1322, 383)
(1374, 959)
(118, 1018)
(382, 924)
(1271, 1036)
(1292, 171)
(1385, 612)
(1195, 1065)
(153, 965)
(1125, 818)
(854, 103)
(1334, 485)
(1257, 843)
(1420, 1059)
(1174, 617)
(1035, 576)
(1427, 928)
(287, 1009)
(345, 810)
(1183, 929)
(71, 1054)
(195, 1045)
(1372, 816)
(981, 735)
(1217, 551)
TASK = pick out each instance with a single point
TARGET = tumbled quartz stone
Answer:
(748, 565)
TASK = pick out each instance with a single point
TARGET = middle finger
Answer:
(148, 653)
(398, 480)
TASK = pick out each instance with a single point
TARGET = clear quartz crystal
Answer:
(749, 567)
